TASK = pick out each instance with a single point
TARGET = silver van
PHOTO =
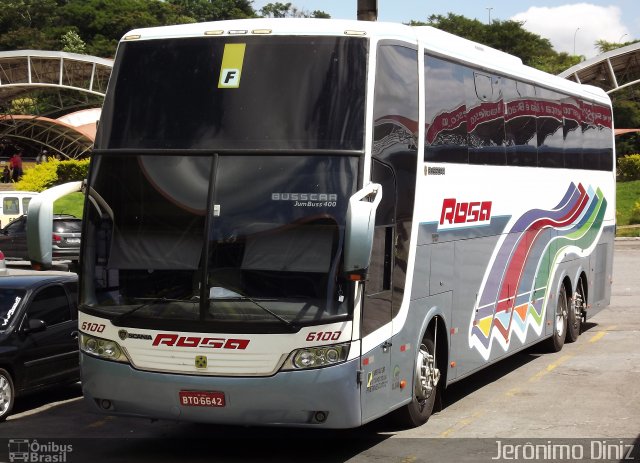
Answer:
(13, 204)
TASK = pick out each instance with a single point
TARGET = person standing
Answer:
(16, 166)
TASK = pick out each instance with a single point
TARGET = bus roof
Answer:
(434, 40)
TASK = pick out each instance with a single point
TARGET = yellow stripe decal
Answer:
(231, 69)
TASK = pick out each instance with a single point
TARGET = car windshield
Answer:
(10, 300)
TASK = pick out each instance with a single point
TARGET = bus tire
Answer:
(7, 394)
(576, 309)
(425, 388)
(556, 341)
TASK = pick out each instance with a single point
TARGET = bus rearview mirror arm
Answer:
(360, 223)
(40, 223)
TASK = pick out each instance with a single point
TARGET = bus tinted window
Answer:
(287, 93)
(520, 123)
(445, 111)
(604, 122)
(485, 118)
(549, 128)
(476, 117)
(590, 149)
(572, 133)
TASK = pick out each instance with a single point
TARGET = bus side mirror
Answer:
(361, 220)
(40, 223)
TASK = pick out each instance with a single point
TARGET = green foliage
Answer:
(626, 199)
(288, 10)
(72, 43)
(634, 218)
(276, 10)
(40, 177)
(555, 63)
(629, 168)
(320, 14)
(508, 36)
(99, 24)
(51, 173)
(72, 170)
(604, 46)
(71, 204)
(24, 105)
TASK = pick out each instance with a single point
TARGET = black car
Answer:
(65, 240)
(38, 333)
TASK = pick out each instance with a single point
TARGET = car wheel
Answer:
(7, 394)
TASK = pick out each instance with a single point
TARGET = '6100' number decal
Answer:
(324, 335)
(92, 327)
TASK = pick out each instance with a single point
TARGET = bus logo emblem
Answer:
(201, 361)
(123, 334)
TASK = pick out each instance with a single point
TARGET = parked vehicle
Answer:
(13, 204)
(3, 264)
(65, 238)
(38, 333)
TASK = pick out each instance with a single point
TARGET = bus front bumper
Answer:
(325, 397)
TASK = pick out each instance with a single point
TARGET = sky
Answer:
(568, 25)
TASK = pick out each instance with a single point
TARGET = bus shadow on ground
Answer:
(476, 381)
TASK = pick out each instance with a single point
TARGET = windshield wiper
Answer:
(293, 327)
(152, 301)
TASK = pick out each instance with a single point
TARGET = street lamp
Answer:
(574, 41)
(621, 37)
(489, 9)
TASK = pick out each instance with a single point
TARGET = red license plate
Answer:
(202, 399)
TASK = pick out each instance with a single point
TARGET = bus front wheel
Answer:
(425, 388)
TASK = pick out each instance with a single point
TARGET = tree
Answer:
(508, 36)
(72, 43)
(604, 46)
(276, 10)
(288, 10)
(208, 10)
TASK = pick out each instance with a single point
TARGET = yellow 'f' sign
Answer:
(231, 68)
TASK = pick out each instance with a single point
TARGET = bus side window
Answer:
(485, 118)
(445, 111)
(520, 125)
(378, 294)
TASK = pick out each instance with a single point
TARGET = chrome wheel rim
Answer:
(561, 315)
(427, 375)
(5, 395)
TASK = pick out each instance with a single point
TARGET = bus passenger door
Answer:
(377, 305)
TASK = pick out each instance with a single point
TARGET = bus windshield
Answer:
(266, 92)
(269, 252)
(223, 168)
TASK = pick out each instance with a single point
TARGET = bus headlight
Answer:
(316, 357)
(102, 348)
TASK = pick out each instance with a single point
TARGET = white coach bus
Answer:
(321, 222)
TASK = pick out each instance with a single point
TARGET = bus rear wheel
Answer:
(556, 341)
(425, 388)
(576, 313)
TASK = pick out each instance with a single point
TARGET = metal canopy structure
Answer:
(611, 71)
(37, 87)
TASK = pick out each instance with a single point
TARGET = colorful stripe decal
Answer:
(514, 293)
